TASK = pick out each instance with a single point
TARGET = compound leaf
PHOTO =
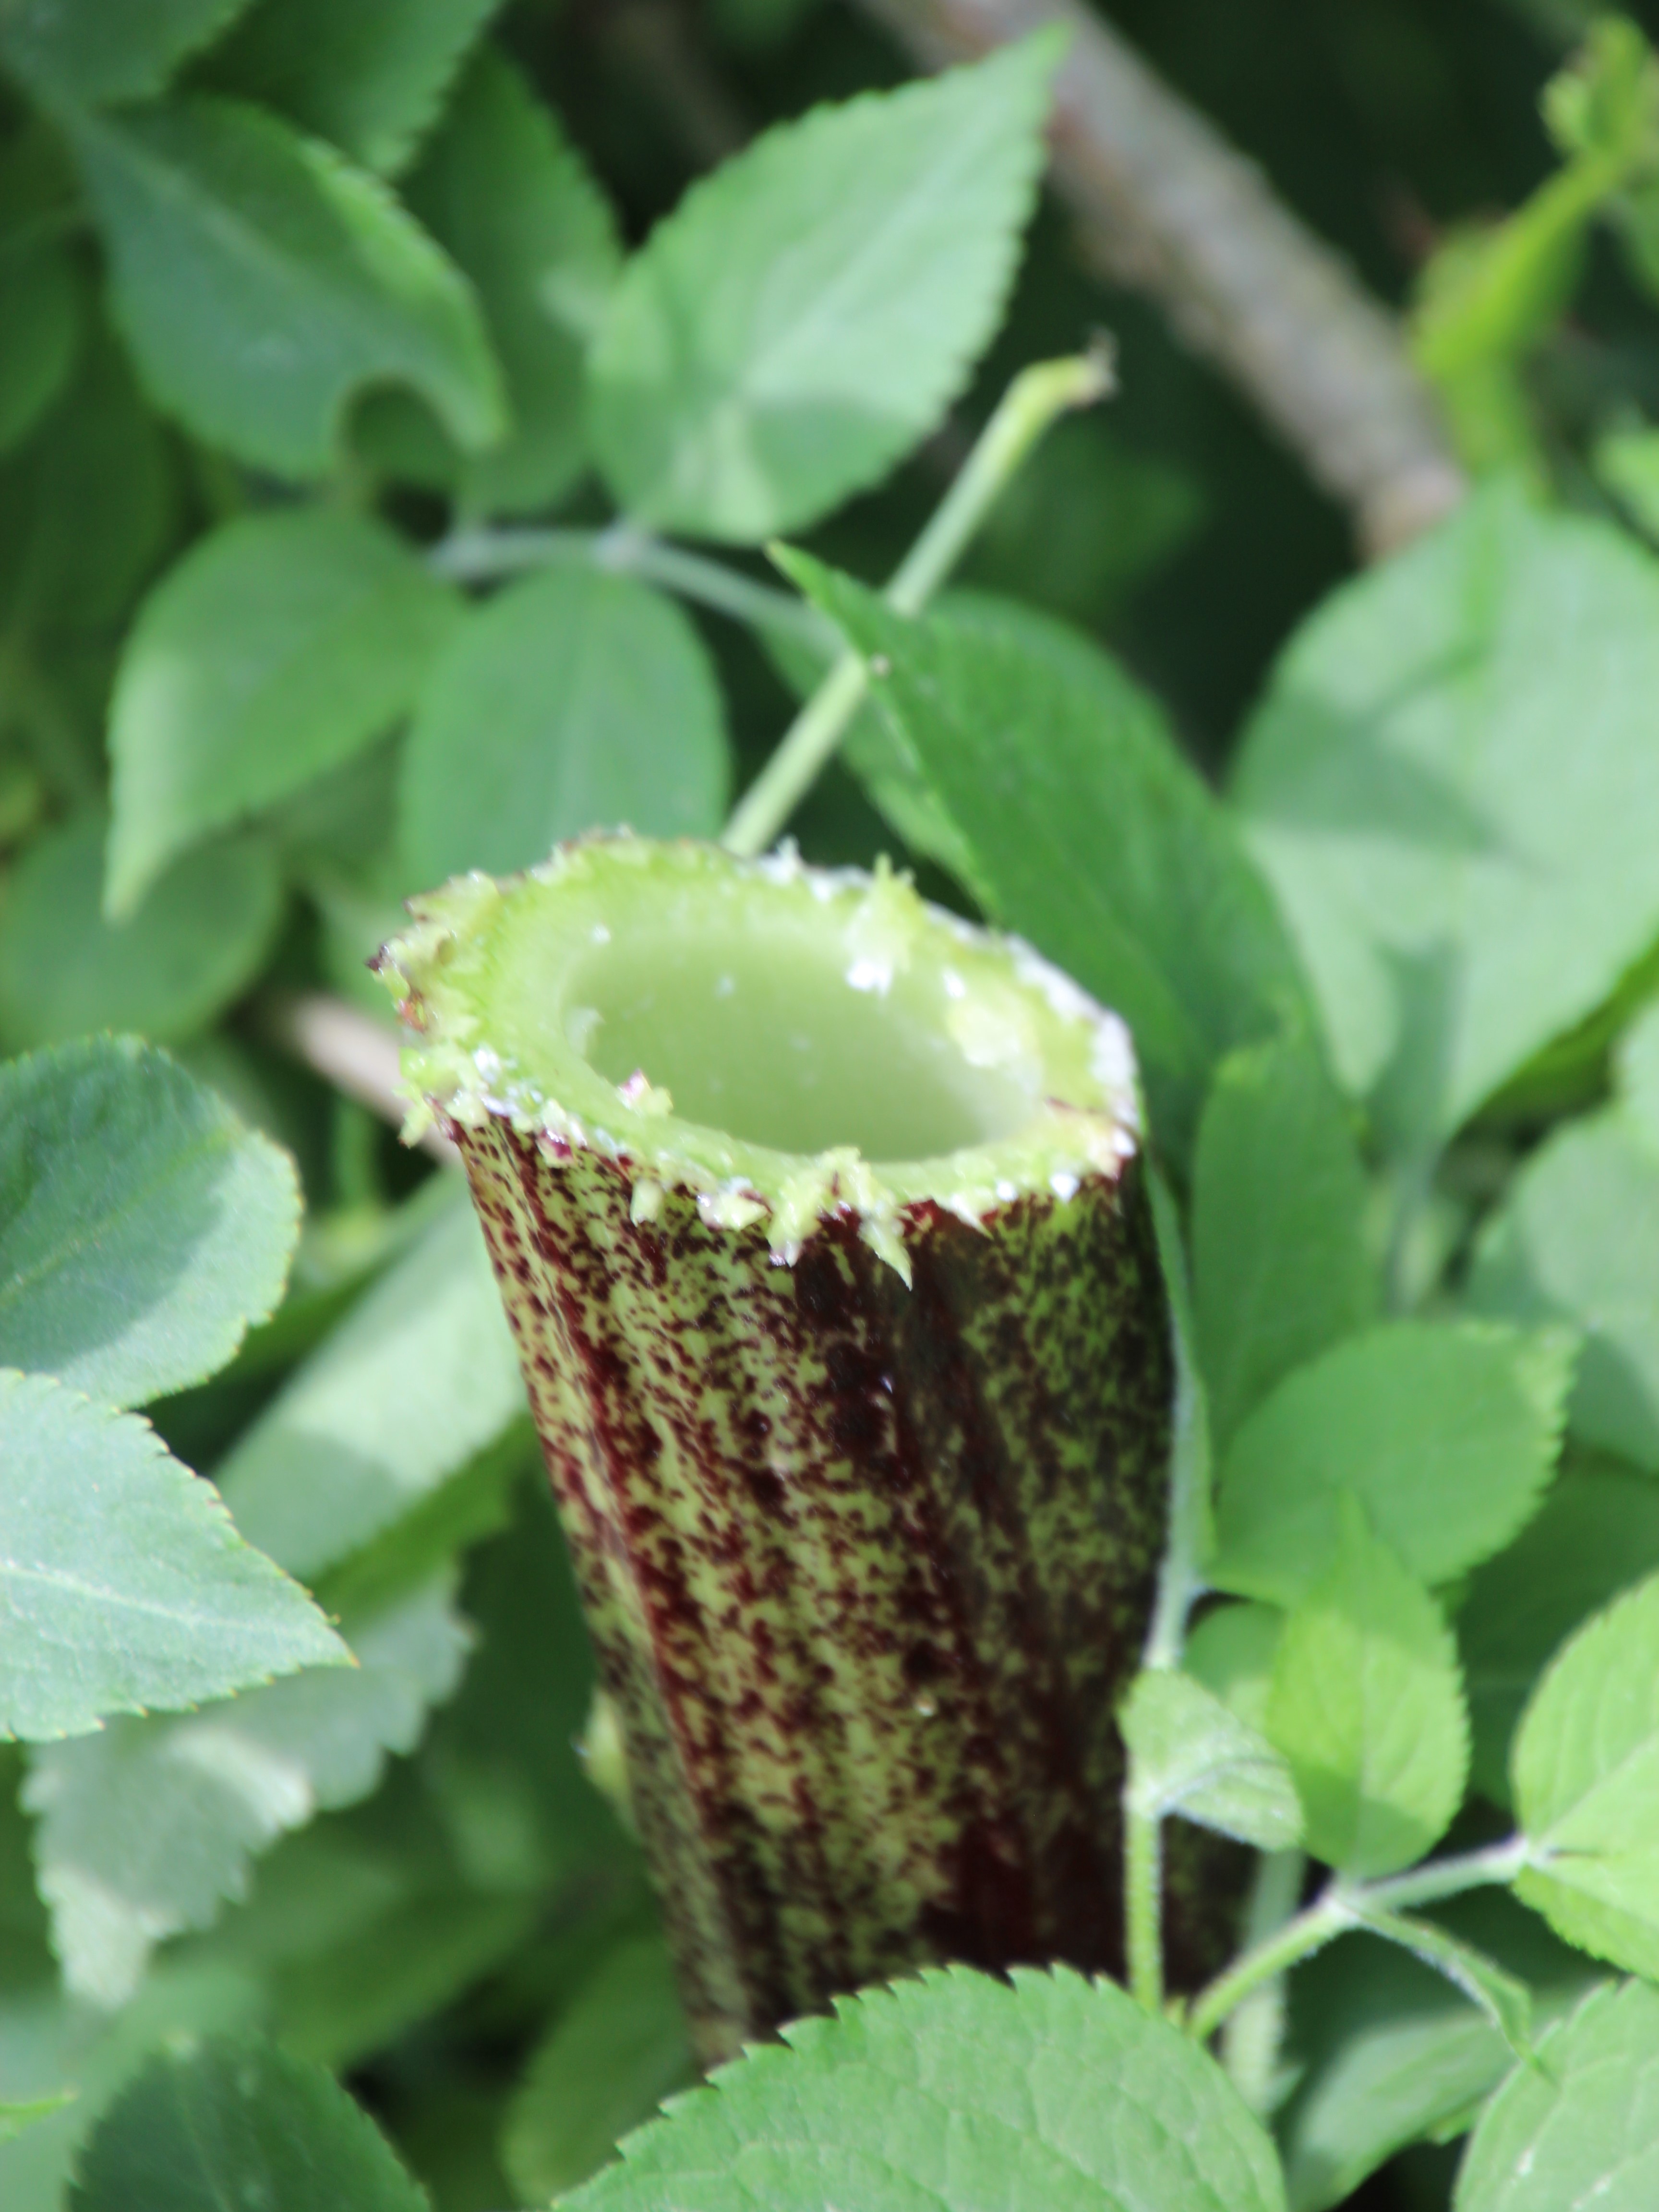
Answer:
(807, 312)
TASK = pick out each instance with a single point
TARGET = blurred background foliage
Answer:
(451, 1913)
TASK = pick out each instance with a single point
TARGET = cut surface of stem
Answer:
(820, 1222)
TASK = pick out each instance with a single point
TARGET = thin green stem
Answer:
(1344, 1906)
(1035, 399)
(1143, 1901)
(1255, 2032)
(1179, 1579)
(480, 555)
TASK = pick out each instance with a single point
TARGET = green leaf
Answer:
(1231, 1652)
(1390, 2053)
(1581, 2126)
(142, 1226)
(83, 52)
(418, 1379)
(48, 2040)
(86, 507)
(1577, 1239)
(1446, 1430)
(40, 303)
(371, 76)
(231, 2123)
(1367, 1706)
(614, 2053)
(193, 947)
(572, 701)
(123, 1584)
(1091, 837)
(147, 1827)
(1639, 1072)
(1585, 1775)
(221, 221)
(807, 312)
(14, 2118)
(954, 2092)
(1462, 887)
(1505, 2001)
(1192, 1755)
(1281, 1268)
(279, 647)
(502, 190)
(1596, 1534)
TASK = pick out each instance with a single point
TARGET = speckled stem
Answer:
(868, 1563)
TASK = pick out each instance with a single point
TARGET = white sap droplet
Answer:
(871, 975)
(599, 933)
(1064, 1185)
(926, 1707)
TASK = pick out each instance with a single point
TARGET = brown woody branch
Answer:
(1166, 204)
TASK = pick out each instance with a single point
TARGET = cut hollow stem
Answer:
(820, 1221)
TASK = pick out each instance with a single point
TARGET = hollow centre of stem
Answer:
(784, 1041)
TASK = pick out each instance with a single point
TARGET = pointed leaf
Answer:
(1505, 2001)
(1191, 1755)
(1585, 1775)
(193, 947)
(417, 1380)
(1581, 2126)
(1577, 1239)
(84, 52)
(123, 1584)
(1367, 1706)
(1091, 837)
(371, 76)
(502, 190)
(233, 2122)
(146, 1828)
(954, 2092)
(1448, 1430)
(142, 1226)
(279, 647)
(1463, 887)
(220, 220)
(572, 700)
(1596, 1534)
(807, 313)
(1281, 1268)
(616, 2050)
